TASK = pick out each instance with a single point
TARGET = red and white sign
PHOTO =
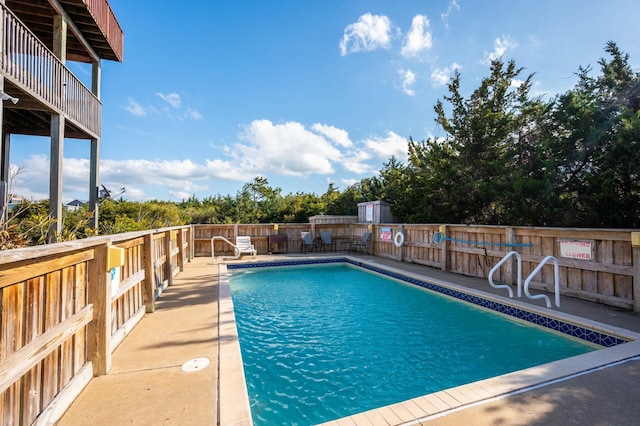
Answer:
(576, 249)
(385, 234)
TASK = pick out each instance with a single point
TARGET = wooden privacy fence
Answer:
(64, 308)
(600, 265)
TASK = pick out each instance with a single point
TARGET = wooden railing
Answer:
(106, 20)
(610, 276)
(63, 313)
(29, 64)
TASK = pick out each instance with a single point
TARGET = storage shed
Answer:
(375, 212)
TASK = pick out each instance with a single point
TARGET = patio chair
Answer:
(307, 242)
(362, 244)
(326, 240)
(244, 246)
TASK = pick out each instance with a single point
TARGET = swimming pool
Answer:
(555, 322)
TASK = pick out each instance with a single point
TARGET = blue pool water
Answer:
(324, 342)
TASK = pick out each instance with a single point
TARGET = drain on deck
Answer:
(195, 364)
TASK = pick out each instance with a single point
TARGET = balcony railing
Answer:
(35, 69)
(106, 20)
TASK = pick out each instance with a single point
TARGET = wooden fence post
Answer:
(180, 244)
(511, 266)
(149, 284)
(99, 329)
(444, 248)
(635, 248)
(168, 264)
(402, 247)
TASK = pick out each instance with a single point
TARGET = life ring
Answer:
(398, 239)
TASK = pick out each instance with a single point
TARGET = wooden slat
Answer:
(129, 283)
(51, 365)
(80, 301)
(65, 398)
(66, 350)
(32, 380)
(12, 321)
(636, 278)
(22, 273)
(131, 243)
(17, 363)
(126, 328)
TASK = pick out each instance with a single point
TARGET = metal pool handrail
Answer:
(213, 254)
(508, 287)
(556, 278)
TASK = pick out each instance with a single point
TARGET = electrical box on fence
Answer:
(635, 239)
(115, 260)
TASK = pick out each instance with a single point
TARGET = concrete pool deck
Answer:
(148, 386)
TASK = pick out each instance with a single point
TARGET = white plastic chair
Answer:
(244, 246)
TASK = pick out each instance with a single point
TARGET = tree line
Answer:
(506, 157)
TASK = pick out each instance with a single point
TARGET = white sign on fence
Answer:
(577, 249)
(369, 213)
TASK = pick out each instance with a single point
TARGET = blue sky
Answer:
(212, 94)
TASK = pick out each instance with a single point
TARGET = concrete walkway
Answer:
(147, 386)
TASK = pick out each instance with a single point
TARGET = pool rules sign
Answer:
(577, 249)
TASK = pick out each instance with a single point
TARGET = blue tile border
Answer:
(285, 263)
(574, 330)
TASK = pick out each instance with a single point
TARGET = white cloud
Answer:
(441, 76)
(349, 182)
(286, 149)
(408, 80)
(356, 162)
(135, 108)
(500, 47)
(418, 38)
(339, 136)
(174, 102)
(453, 5)
(133, 193)
(175, 176)
(263, 149)
(180, 195)
(172, 99)
(32, 183)
(192, 113)
(369, 33)
(392, 145)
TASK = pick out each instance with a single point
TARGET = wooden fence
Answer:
(607, 270)
(63, 312)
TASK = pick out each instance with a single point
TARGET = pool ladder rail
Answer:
(556, 278)
(237, 254)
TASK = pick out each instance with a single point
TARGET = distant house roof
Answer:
(75, 204)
